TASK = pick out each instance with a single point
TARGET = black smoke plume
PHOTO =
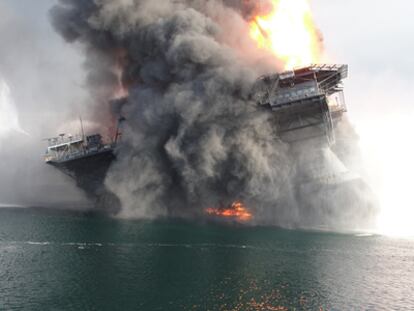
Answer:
(193, 136)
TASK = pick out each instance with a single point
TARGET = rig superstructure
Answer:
(86, 159)
(308, 105)
(306, 101)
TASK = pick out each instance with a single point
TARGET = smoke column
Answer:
(193, 137)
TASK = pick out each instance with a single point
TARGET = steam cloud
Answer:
(193, 137)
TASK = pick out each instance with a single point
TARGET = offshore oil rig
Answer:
(306, 104)
(86, 159)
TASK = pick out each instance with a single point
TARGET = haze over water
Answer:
(68, 261)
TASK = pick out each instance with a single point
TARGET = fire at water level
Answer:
(289, 32)
(236, 211)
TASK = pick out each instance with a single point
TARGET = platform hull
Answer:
(89, 174)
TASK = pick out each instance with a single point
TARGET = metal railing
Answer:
(69, 155)
(63, 139)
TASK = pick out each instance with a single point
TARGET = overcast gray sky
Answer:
(38, 66)
(44, 75)
(376, 39)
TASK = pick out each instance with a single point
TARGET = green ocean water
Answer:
(70, 261)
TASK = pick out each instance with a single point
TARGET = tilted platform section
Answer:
(67, 148)
(306, 101)
(87, 160)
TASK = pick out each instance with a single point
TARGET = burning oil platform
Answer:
(306, 105)
(86, 159)
(307, 102)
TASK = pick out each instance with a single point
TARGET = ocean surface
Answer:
(72, 261)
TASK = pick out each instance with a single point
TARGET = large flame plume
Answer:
(235, 211)
(289, 32)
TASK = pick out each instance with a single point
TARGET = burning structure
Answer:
(306, 102)
(308, 105)
(85, 159)
(235, 211)
(201, 129)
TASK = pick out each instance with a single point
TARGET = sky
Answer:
(373, 37)
(40, 84)
(32, 56)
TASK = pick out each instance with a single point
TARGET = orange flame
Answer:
(288, 32)
(236, 210)
(121, 61)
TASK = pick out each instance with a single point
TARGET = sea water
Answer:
(52, 260)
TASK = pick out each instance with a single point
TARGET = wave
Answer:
(5, 205)
(362, 235)
(98, 244)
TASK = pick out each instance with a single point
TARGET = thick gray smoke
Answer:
(193, 137)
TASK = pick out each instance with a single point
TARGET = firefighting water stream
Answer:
(9, 120)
